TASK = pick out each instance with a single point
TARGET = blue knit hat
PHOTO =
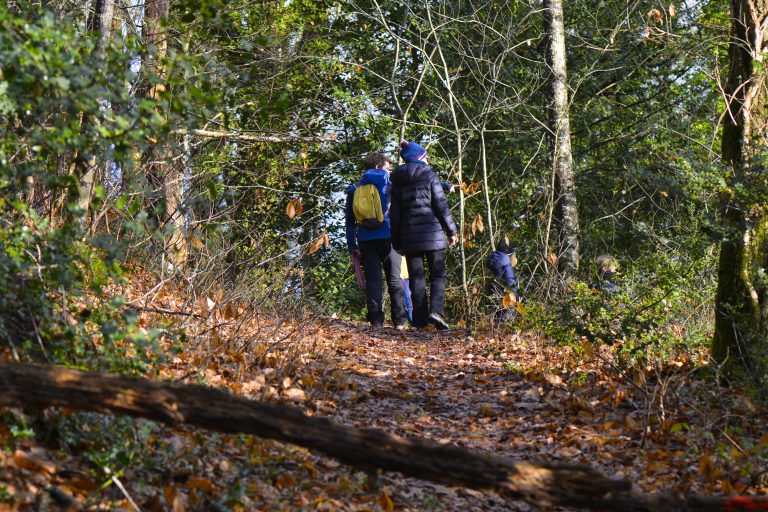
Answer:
(412, 152)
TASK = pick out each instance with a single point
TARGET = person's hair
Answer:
(376, 161)
(505, 245)
(606, 263)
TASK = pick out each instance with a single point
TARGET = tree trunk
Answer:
(537, 483)
(565, 208)
(165, 180)
(741, 302)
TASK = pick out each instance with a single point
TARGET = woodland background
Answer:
(173, 176)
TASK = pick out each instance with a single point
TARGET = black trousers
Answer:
(418, 280)
(375, 255)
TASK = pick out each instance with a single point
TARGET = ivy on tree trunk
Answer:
(741, 306)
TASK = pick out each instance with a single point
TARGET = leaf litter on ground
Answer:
(664, 427)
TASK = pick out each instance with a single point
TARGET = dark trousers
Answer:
(375, 255)
(418, 280)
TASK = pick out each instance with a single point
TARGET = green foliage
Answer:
(54, 89)
(653, 316)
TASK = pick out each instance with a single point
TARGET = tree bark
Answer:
(565, 207)
(540, 484)
(166, 197)
(741, 301)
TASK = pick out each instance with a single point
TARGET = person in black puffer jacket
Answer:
(420, 220)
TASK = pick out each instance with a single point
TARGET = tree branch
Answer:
(539, 484)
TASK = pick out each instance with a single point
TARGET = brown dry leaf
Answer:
(707, 468)
(285, 480)
(178, 504)
(471, 189)
(477, 224)
(210, 304)
(321, 241)
(311, 468)
(296, 394)
(509, 299)
(656, 15)
(554, 380)
(294, 208)
(672, 10)
(82, 483)
(33, 463)
(230, 311)
(385, 502)
(200, 483)
(552, 259)
(487, 410)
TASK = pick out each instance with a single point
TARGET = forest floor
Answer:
(665, 427)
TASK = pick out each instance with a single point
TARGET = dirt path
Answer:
(452, 389)
(515, 396)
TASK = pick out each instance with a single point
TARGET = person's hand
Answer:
(452, 189)
(453, 240)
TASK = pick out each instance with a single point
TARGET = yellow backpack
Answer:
(366, 205)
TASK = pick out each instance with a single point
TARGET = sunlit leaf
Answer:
(385, 502)
(552, 259)
(509, 299)
(294, 208)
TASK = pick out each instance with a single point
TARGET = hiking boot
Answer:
(439, 322)
(377, 325)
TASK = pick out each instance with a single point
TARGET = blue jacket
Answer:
(355, 233)
(420, 215)
(498, 263)
(605, 283)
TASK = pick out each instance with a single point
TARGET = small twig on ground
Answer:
(162, 311)
(122, 488)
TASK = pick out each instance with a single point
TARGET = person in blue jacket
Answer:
(501, 266)
(422, 228)
(375, 246)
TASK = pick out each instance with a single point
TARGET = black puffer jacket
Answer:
(419, 213)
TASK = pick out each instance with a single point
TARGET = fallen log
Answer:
(539, 484)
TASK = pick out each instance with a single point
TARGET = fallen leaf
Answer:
(385, 502)
(285, 480)
(200, 483)
(33, 463)
(296, 394)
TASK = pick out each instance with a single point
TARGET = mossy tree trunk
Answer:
(741, 303)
